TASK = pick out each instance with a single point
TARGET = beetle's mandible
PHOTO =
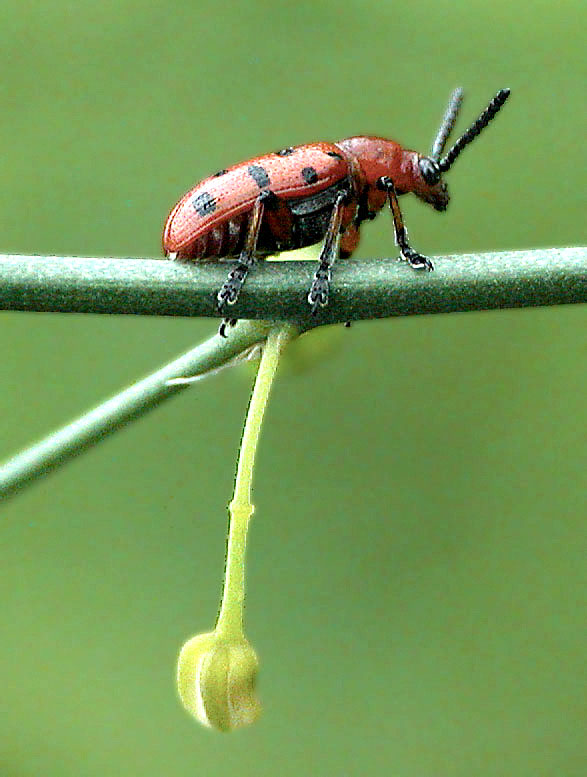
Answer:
(316, 192)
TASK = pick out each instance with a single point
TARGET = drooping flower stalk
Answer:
(217, 670)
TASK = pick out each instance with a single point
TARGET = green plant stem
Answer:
(360, 290)
(61, 446)
(230, 618)
(278, 290)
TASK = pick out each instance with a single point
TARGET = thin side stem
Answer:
(89, 429)
(230, 619)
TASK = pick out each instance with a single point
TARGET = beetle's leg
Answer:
(226, 322)
(318, 294)
(349, 240)
(229, 292)
(415, 260)
(348, 243)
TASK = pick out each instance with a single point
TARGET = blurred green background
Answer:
(415, 559)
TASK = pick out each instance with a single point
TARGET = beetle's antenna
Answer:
(475, 128)
(447, 124)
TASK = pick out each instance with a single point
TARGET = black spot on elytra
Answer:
(285, 151)
(259, 175)
(334, 154)
(219, 173)
(309, 175)
(204, 203)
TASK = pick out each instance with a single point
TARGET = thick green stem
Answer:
(275, 291)
(278, 290)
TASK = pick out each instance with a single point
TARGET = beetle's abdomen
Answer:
(210, 220)
(225, 239)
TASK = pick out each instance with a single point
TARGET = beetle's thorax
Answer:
(377, 157)
(374, 158)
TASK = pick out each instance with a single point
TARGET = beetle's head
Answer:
(428, 184)
(374, 158)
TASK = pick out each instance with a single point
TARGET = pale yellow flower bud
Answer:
(216, 681)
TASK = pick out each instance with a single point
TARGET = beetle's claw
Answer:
(417, 261)
(226, 322)
(227, 295)
(229, 292)
(318, 294)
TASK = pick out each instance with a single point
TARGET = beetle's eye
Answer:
(430, 170)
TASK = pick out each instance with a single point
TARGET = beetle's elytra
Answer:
(301, 195)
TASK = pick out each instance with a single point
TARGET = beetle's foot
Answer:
(416, 260)
(226, 322)
(229, 292)
(318, 294)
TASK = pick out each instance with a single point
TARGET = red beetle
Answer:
(304, 194)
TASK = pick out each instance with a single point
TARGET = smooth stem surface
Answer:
(278, 290)
(230, 619)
